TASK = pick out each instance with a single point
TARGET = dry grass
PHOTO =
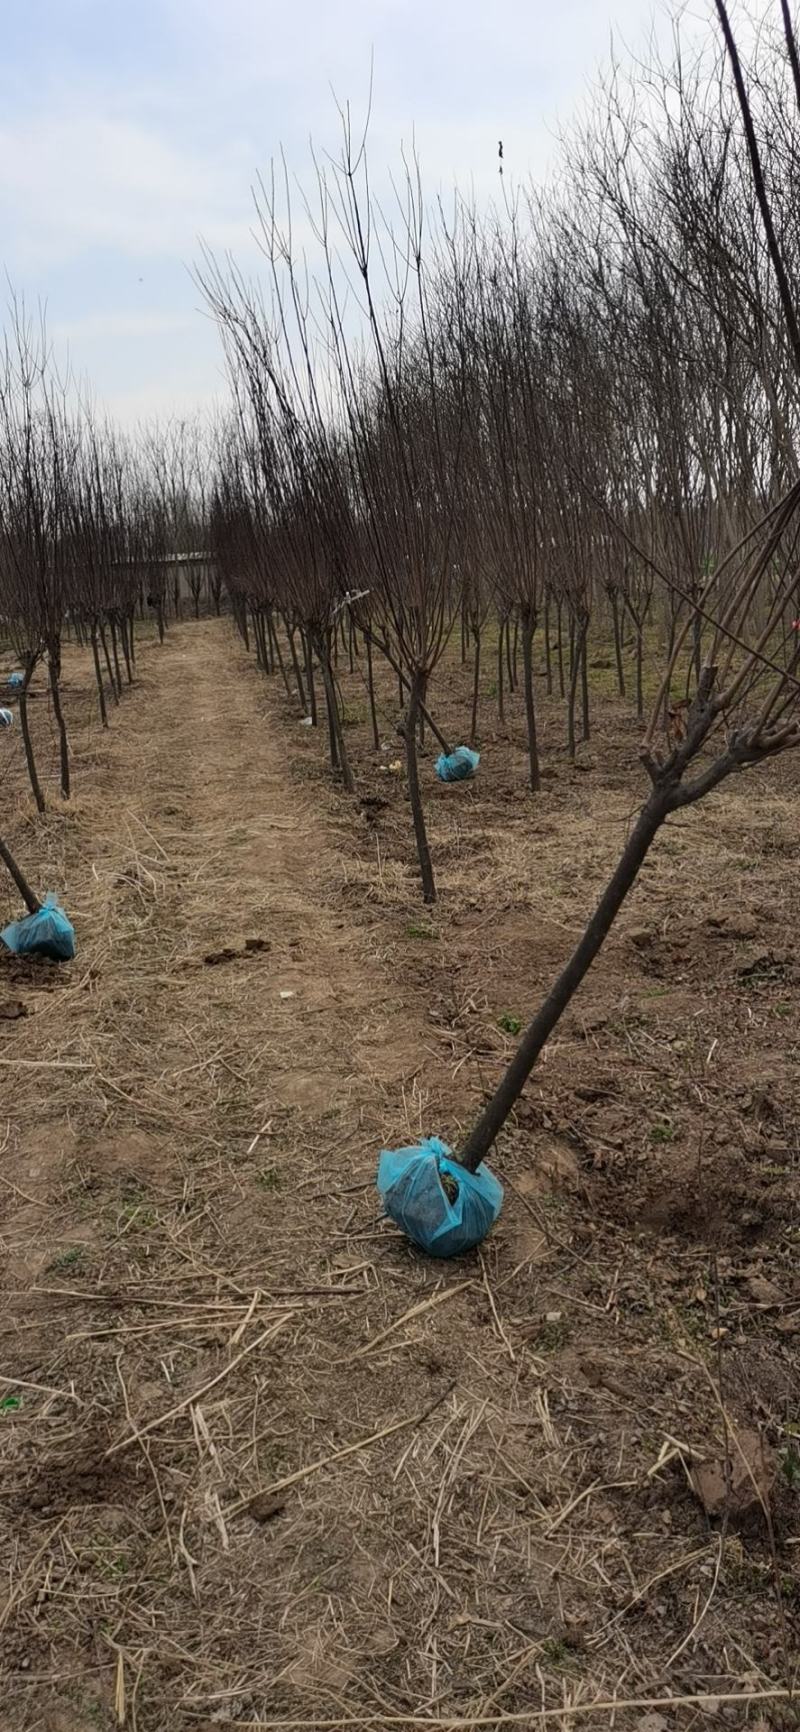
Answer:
(262, 1465)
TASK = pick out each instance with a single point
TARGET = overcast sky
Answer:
(129, 128)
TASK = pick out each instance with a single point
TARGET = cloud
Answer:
(161, 399)
(85, 179)
(126, 134)
(119, 324)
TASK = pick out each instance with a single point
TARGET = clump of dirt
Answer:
(727, 1203)
(230, 953)
(82, 1475)
(738, 1483)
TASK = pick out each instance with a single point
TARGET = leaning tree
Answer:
(744, 708)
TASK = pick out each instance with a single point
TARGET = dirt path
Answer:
(194, 1137)
(259, 1461)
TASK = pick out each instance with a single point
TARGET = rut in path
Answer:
(256, 862)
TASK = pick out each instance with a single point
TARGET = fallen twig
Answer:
(339, 1454)
(189, 1400)
(530, 1717)
(415, 1311)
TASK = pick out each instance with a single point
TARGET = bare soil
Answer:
(260, 1462)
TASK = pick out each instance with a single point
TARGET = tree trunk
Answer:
(618, 643)
(263, 645)
(336, 731)
(376, 739)
(548, 651)
(115, 652)
(409, 730)
(473, 731)
(575, 668)
(538, 1032)
(437, 733)
(509, 666)
(560, 648)
(639, 679)
(514, 680)
(332, 711)
(277, 655)
(30, 756)
(160, 619)
(312, 690)
(296, 666)
(584, 656)
(261, 660)
(101, 696)
(501, 700)
(54, 669)
(673, 626)
(111, 680)
(528, 628)
(123, 636)
(31, 901)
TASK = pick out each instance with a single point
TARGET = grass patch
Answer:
(137, 1217)
(74, 1258)
(552, 1334)
(790, 1467)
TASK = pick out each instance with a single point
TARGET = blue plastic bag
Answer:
(48, 933)
(457, 766)
(6, 718)
(15, 680)
(410, 1184)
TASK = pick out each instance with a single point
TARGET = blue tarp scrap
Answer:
(6, 718)
(457, 766)
(410, 1184)
(15, 680)
(48, 933)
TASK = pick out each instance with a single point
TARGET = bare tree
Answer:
(745, 706)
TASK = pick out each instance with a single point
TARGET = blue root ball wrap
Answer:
(48, 933)
(457, 766)
(409, 1181)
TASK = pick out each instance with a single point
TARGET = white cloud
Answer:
(160, 399)
(83, 179)
(121, 324)
(108, 182)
